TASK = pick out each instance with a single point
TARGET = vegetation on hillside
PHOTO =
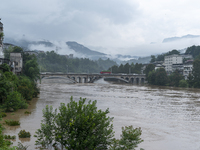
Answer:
(162, 56)
(53, 62)
(127, 68)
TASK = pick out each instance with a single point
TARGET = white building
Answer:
(1, 40)
(170, 60)
(187, 68)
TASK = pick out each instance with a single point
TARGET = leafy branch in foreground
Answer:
(82, 126)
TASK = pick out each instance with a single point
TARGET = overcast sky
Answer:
(110, 26)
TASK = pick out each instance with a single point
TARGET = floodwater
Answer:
(169, 117)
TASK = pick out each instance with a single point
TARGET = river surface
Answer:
(169, 117)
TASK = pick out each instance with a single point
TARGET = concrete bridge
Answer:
(91, 77)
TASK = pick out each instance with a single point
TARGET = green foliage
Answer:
(175, 78)
(130, 139)
(30, 67)
(162, 56)
(52, 62)
(148, 69)
(24, 134)
(196, 73)
(27, 87)
(27, 112)
(14, 101)
(158, 77)
(190, 80)
(76, 126)
(5, 67)
(193, 50)
(7, 52)
(1, 35)
(161, 77)
(127, 68)
(12, 122)
(2, 114)
(153, 58)
(17, 49)
(183, 83)
(9, 137)
(105, 64)
(152, 77)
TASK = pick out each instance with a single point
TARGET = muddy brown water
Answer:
(169, 117)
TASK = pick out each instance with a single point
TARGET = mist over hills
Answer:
(66, 48)
(81, 51)
(173, 39)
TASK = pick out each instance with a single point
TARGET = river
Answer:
(169, 117)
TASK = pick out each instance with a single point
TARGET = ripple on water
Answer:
(169, 117)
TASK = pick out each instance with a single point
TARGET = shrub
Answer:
(183, 83)
(24, 134)
(9, 137)
(2, 114)
(14, 101)
(27, 112)
(12, 122)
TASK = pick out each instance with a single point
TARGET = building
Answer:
(178, 67)
(7, 45)
(31, 52)
(1, 39)
(16, 61)
(187, 68)
(158, 66)
(170, 60)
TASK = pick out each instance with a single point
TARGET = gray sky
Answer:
(110, 26)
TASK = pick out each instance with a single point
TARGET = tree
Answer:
(183, 83)
(14, 101)
(17, 49)
(174, 78)
(196, 73)
(190, 80)
(76, 126)
(153, 58)
(4, 145)
(130, 139)
(161, 77)
(148, 69)
(31, 69)
(152, 77)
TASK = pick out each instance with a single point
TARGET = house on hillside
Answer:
(171, 60)
(187, 68)
(16, 62)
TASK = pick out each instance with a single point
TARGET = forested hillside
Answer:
(53, 62)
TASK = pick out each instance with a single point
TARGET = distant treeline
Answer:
(53, 62)
(127, 68)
